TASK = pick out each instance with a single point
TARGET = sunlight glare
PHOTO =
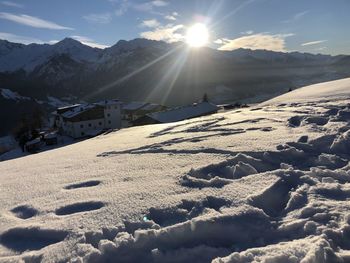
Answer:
(197, 35)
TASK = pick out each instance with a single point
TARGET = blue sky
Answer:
(316, 26)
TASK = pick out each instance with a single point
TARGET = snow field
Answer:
(267, 184)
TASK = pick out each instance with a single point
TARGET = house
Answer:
(33, 146)
(81, 120)
(130, 108)
(146, 109)
(135, 110)
(50, 139)
(178, 114)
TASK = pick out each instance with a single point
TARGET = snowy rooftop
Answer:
(78, 110)
(263, 184)
(133, 105)
(182, 113)
(149, 107)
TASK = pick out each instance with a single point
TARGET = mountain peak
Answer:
(68, 41)
(124, 45)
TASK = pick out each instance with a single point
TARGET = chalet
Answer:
(178, 114)
(81, 120)
(135, 110)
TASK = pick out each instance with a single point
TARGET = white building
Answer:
(82, 120)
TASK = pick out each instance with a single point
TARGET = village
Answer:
(72, 123)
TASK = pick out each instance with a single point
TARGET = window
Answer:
(89, 124)
(81, 125)
(109, 122)
(100, 123)
(83, 133)
(108, 115)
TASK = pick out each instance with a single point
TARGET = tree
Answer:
(205, 97)
(28, 126)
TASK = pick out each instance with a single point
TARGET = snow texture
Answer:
(263, 184)
(11, 95)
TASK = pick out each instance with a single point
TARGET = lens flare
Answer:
(197, 35)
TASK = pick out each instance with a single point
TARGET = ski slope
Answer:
(263, 184)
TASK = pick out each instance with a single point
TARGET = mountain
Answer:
(154, 71)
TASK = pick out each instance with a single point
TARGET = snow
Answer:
(55, 102)
(185, 112)
(29, 57)
(11, 95)
(7, 143)
(263, 184)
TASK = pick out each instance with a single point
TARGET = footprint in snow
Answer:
(31, 238)
(24, 211)
(82, 184)
(79, 207)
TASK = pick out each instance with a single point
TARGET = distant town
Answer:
(80, 121)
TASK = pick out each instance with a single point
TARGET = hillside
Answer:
(153, 71)
(262, 184)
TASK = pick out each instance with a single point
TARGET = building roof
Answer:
(77, 110)
(50, 135)
(131, 106)
(108, 102)
(186, 112)
(32, 142)
(150, 107)
(61, 110)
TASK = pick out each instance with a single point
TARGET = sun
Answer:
(197, 35)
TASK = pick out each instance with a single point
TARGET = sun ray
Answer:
(130, 75)
(171, 75)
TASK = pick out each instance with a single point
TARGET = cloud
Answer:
(321, 48)
(12, 4)
(19, 39)
(122, 8)
(150, 23)
(249, 32)
(159, 3)
(219, 41)
(32, 21)
(172, 17)
(149, 6)
(169, 33)
(296, 17)
(256, 41)
(103, 18)
(89, 42)
(313, 43)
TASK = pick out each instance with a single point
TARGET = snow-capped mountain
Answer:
(143, 69)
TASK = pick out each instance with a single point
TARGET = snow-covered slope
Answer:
(263, 184)
(27, 57)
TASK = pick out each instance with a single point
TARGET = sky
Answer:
(315, 26)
